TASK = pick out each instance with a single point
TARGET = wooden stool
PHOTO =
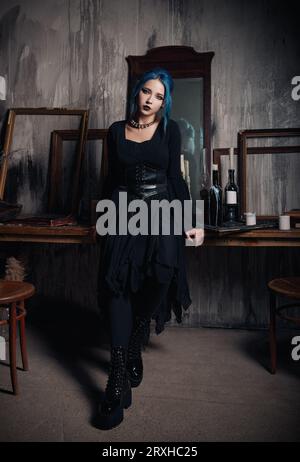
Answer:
(290, 288)
(13, 294)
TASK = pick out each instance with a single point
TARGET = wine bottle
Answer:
(204, 190)
(215, 199)
(231, 205)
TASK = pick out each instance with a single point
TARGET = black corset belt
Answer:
(144, 180)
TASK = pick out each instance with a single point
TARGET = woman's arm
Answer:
(111, 179)
(178, 185)
(174, 172)
(108, 182)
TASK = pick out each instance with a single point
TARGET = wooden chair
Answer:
(290, 288)
(12, 296)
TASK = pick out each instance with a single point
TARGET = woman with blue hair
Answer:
(164, 99)
(142, 276)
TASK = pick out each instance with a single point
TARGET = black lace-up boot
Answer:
(117, 391)
(138, 336)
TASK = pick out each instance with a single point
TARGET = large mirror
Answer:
(187, 110)
(191, 108)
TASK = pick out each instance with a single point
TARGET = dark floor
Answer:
(200, 384)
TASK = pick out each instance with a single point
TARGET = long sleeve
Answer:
(178, 186)
(110, 181)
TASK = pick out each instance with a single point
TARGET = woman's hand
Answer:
(196, 235)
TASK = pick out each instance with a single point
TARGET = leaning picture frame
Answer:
(30, 132)
(93, 171)
(244, 151)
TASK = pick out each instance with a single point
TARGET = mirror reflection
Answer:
(187, 111)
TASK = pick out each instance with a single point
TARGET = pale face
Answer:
(151, 97)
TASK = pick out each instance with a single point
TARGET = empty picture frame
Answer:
(93, 172)
(269, 173)
(25, 166)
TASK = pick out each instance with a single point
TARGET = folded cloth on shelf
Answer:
(9, 211)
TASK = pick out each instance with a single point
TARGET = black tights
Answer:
(123, 309)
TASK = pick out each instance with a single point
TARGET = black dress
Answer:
(126, 259)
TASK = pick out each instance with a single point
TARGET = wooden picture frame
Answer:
(58, 138)
(244, 151)
(14, 112)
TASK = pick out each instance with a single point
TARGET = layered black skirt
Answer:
(127, 260)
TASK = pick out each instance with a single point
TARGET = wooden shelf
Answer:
(255, 238)
(78, 234)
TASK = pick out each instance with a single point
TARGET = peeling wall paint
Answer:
(73, 54)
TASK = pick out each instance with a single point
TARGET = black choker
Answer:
(135, 124)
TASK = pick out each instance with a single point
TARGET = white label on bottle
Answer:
(231, 197)
(2, 349)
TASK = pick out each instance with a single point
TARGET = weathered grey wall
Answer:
(72, 54)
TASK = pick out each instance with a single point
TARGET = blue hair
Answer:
(167, 81)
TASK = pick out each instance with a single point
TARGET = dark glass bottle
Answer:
(231, 200)
(204, 189)
(215, 199)
(204, 195)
